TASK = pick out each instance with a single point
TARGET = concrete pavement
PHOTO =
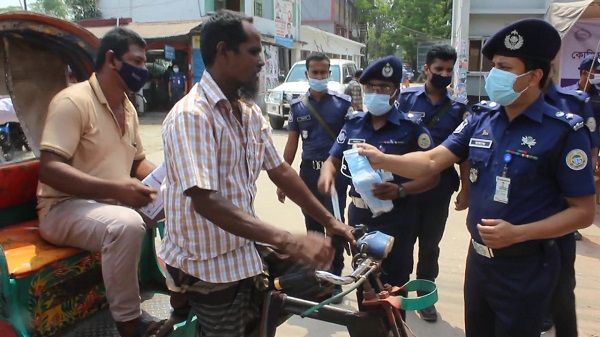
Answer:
(452, 260)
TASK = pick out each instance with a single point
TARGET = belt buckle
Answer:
(317, 164)
(482, 249)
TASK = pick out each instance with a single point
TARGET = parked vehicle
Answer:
(296, 84)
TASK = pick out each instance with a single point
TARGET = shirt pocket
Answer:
(480, 160)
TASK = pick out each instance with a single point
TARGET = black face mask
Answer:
(440, 81)
(134, 77)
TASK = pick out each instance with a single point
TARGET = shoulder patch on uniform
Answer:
(424, 141)
(341, 138)
(576, 159)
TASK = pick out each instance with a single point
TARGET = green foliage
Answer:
(10, 9)
(84, 9)
(56, 8)
(67, 9)
(394, 25)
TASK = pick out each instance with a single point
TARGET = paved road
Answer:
(452, 260)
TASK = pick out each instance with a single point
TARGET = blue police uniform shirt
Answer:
(563, 166)
(576, 102)
(594, 94)
(414, 100)
(177, 81)
(400, 135)
(316, 142)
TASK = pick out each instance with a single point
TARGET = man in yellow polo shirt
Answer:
(91, 164)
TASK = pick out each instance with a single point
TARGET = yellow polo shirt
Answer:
(82, 128)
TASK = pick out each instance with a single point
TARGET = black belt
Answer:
(312, 164)
(516, 250)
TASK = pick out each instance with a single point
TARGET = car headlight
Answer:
(275, 97)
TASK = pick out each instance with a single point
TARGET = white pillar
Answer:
(249, 7)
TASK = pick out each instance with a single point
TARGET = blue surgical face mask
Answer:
(318, 85)
(378, 104)
(499, 86)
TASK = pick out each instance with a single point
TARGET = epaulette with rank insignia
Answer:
(575, 121)
(409, 90)
(340, 95)
(580, 95)
(355, 115)
(415, 118)
(485, 106)
(297, 100)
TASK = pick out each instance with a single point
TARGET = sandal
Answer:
(150, 326)
(178, 315)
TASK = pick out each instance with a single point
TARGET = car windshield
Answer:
(297, 73)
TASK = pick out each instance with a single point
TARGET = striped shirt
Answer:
(205, 146)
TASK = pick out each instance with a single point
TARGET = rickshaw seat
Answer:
(25, 250)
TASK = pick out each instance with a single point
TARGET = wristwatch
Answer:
(401, 192)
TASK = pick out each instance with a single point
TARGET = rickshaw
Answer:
(58, 291)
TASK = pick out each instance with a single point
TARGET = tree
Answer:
(10, 9)
(84, 9)
(56, 8)
(394, 25)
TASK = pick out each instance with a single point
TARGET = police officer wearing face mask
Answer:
(531, 181)
(589, 83)
(317, 118)
(393, 132)
(177, 85)
(441, 115)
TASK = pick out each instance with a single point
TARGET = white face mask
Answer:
(594, 79)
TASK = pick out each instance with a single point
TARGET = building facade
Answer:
(474, 21)
(334, 16)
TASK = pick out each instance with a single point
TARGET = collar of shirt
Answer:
(211, 89)
(327, 92)
(421, 91)
(535, 111)
(552, 93)
(129, 109)
(394, 117)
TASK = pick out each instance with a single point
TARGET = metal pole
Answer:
(25, 5)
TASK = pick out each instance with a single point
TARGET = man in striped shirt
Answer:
(216, 142)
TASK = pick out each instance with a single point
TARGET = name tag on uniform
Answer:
(355, 141)
(502, 188)
(303, 118)
(482, 143)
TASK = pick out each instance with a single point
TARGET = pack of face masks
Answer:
(363, 178)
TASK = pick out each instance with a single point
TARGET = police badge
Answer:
(304, 134)
(473, 174)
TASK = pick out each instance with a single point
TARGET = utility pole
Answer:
(25, 5)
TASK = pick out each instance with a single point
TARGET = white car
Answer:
(296, 84)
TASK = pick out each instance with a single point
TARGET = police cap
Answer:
(590, 62)
(387, 68)
(527, 38)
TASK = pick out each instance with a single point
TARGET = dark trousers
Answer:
(509, 296)
(399, 223)
(431, 215)
(563, 300)
(310, 176)
(176, 95)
